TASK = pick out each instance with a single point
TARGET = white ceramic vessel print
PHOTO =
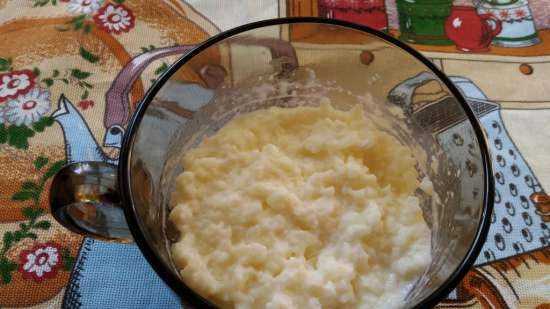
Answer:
(518, 26)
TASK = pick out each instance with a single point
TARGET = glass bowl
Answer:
(290, 62)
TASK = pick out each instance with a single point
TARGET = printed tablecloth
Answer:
(77, 48)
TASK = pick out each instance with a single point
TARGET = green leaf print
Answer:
(29, 186)
(147, 48)
(78, 74)
(73, 76)
(40, 162)
(32, 213)
(42, 123)
(3, 134)
(163, 67)
(23, 196)
(77, 23)
(6, 268)
(68, 259)
(7, 241)
(86, 85)
(48, 82)
(18, 136)
(20, 235)
(5, 64)
(87, 55)
(43, 225)
(44, 2)
(85, 95)
(53, 169)
(32, 191)
(78, 19)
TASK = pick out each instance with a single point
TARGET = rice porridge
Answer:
(306, 207)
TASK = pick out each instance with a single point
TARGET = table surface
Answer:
(74, 49)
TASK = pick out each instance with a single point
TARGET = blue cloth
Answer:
(110, 275)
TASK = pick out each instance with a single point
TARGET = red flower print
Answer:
(85, 104)
(14, 83)
(114, 18)
(504, 14)
(40, 262)
(520, 13)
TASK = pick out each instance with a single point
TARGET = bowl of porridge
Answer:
(312, 164)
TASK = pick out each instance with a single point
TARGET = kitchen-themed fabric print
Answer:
(72, 72)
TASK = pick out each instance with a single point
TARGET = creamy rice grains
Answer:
(306, 207)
